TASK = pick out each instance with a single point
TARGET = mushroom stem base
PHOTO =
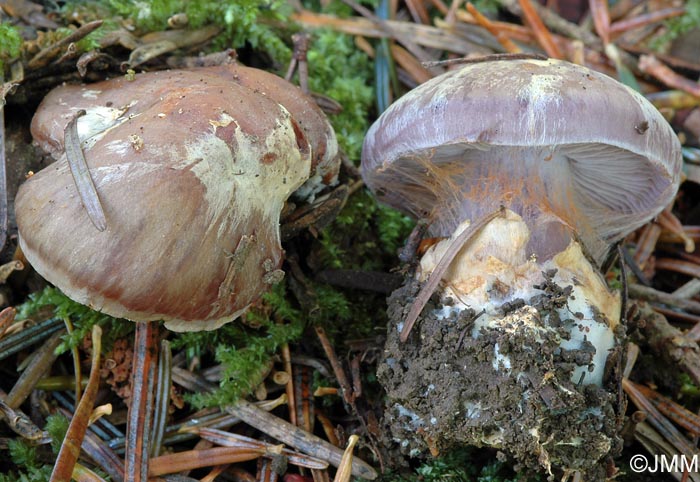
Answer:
(509, 388)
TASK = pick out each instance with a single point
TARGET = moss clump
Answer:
(340, 71)
(242, 21)
(82, 318)
(679, 25)
(243, 349)
(461, 466)
(25, 457)
(10, 44)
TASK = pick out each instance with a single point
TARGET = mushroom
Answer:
(514, 353)
(192, 168)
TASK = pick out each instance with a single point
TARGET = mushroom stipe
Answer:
(526, 172)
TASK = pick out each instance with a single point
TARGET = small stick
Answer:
(622, 26)
(305, 403)
(649, 64)
(297, 438)
(684, 267)
(674, 411)
(7, 316)
(289, 386)
(70, 448)
(19, 422)
(646, 244)
(3, 177)
(500, 35)
(485, 58)
(443, 265)
(543, 36)
(162, 397)
(650, 294)
(601, 19)
(195, 459)
(228, 439)
(340, 375)
(301, 48)
(38, 367)
(8, 268)
(140, 413)
(44, 57)
(81, 174)
(670, 222)
(105, 457)
(76, 361)
(668, 343)
(328, 429)
(656, 419)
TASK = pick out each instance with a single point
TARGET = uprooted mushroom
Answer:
(191, 169)
(527, 171)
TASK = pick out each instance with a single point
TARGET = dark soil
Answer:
(446, 388)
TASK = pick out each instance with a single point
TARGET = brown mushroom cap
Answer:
(192, 171)
(552, 141)
(49, 122)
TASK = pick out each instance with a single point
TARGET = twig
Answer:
(649, 64)
(194, 459)
(3, 177)
(299, 60)
(443, 265)
(542, 34)
(19, 422)
(162, 398)
(385, 26)
(425, 35)
(38, 367)
(622, 26)
(674, 411)
(557, 23)
(669, 222)
(70, 448)
(289, 386)
(7, 316)
(340, 375)
(44, 56)
(678, 266)
(20, 340)
(650, 294)
(103, 456)
(601, 19)
(227, 439)
(646, 244)
(140, 414)
(500, 35)
(297, 438)
(668, 343)
(81, 174)
(655, 418)
(487, 58)
(305, 410)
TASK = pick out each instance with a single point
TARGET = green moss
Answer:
(340, 71)
(24, 456)
(244, 348)
(679, 25)
(82, 317)
(57, 426)
(10, 44)
(365, 236)
(242, 21)
(460, 466)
